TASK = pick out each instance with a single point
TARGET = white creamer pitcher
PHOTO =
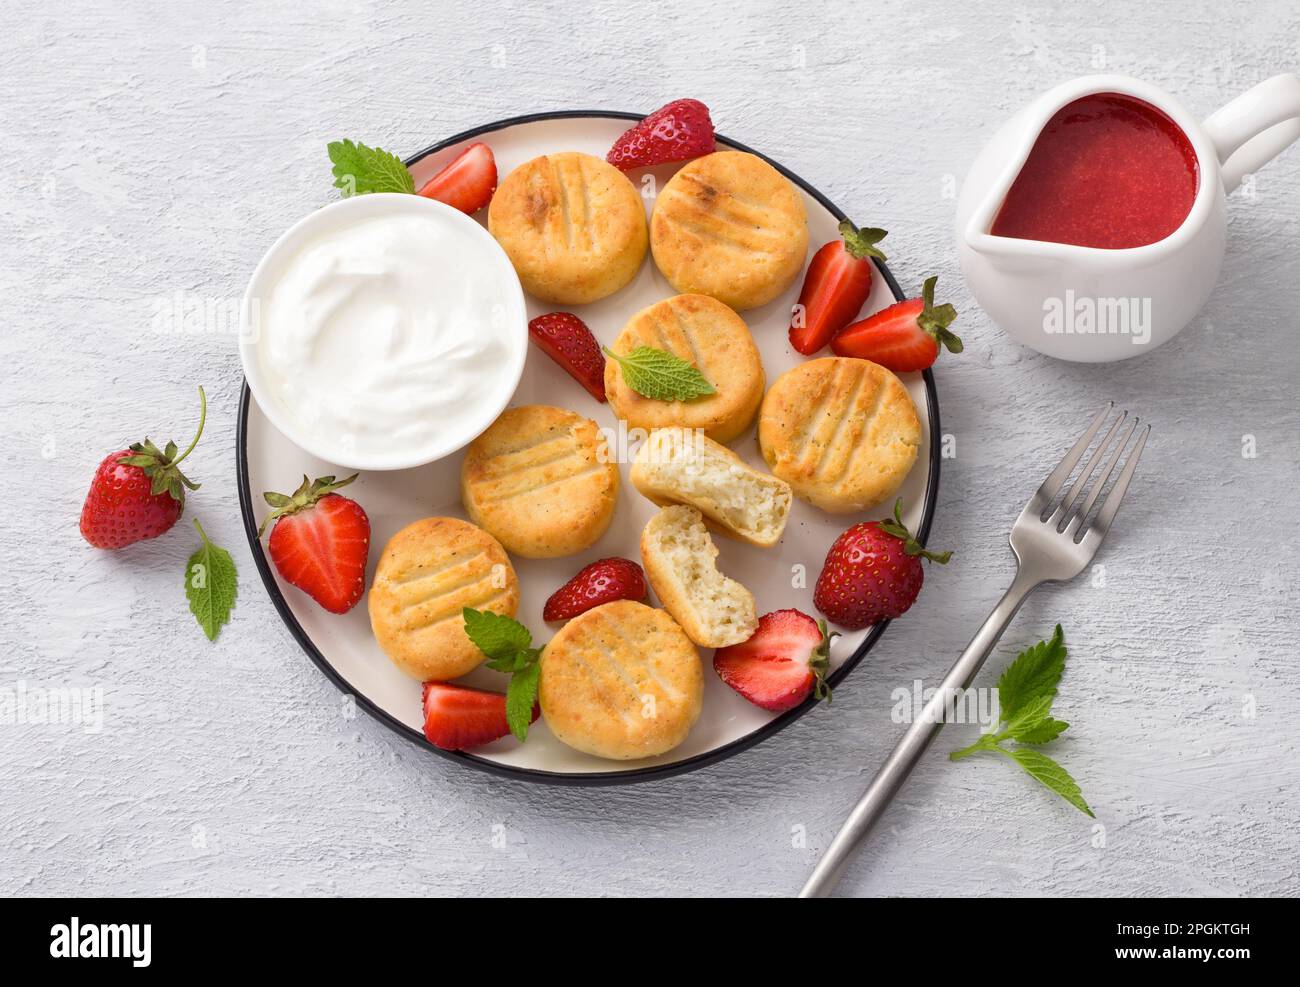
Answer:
(1026, 285)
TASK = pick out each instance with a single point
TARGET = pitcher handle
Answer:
(1256, 127)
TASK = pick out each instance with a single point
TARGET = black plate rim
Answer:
(594, 778)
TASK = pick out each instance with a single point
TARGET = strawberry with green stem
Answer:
(906, 336)
(138, 492)
(872, 573)
(835, 288)
(783, 662)
(320, 541)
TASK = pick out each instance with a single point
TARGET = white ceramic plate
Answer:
(343, 647)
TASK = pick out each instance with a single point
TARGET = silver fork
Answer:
(1053, 539)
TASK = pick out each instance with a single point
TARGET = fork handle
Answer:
(889, 779)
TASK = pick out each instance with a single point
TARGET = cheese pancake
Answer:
(541, 480)
(842, 432)
(731, 226)
(621, 681)
(705, 332)
(573, 226)
(674, 466)
(680, 561)
(428, 572)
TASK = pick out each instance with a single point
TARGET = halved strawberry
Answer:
(320, 542)
(676, 132)
(906, 336)
(601, 582)
(468, 182)
(836, 286)
(784, 661)
(457, 717)
(566, 339)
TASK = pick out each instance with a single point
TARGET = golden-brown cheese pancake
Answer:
(731, 226)
(842, 432)
(705, 332)
(541, 480)
(621, 681)
(573, 226)
(428, 572)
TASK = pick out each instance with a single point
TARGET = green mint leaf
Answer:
(359, 170)
(499, 637)
(521, 695)
(661, 376)
(515, 661)
(1045, 731)
(1051, 774)
(1035, 673)
(1029, 716)
(509, 648)
(210, 585)
(1026, 691)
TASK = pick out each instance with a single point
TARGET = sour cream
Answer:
(389, 332)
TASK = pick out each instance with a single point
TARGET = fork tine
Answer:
(1095, 492)
(1052, 485)
(1081, 481)
(1110, 506)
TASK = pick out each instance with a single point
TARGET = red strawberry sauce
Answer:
(1107, 171)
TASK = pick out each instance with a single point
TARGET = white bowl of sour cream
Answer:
(383, 332)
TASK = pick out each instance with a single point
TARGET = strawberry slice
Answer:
(784, 662)
(468, 182)
(457, 717)
(836, 286)
(906, 336)
(600, 582)
(677, 132)
(566, 339)
(320, 542)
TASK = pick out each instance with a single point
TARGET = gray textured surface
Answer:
(154, 148)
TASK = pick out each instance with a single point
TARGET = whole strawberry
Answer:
(676, 132)
(320, 542)
(600, 582)
(137, 493)
(872, 572)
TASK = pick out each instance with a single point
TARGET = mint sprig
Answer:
(508, 645)
(211, 583)
(359, 170)
(1026, 691)
(661, 376)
